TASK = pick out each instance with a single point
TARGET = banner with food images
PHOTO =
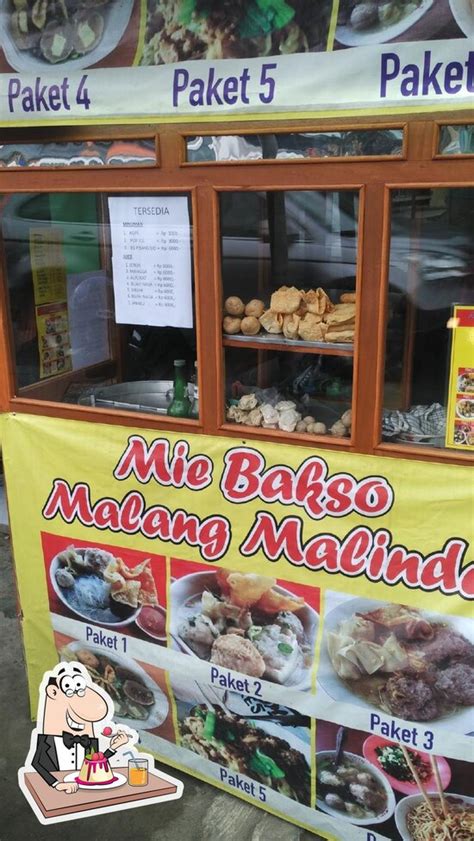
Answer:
(222, 58)
(292, 626)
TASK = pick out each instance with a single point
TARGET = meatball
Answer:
(335, 801)
(288, 621)
(410, 697)
(364, 16)
(65, 579)
(456, 684)
(87, 658)
(234, 652)
(199, 632)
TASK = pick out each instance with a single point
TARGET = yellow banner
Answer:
(228, 595)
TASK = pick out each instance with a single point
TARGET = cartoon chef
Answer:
(70, 705)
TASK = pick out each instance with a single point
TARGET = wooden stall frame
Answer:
(374, 178)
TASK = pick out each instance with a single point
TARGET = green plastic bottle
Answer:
(194, 411)
(180, 405)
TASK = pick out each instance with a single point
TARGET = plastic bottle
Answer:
(194, 412)
(179, 406)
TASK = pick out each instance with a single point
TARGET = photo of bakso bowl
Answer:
(352, 790)
(415, 822)
(79, 583)
(139, 702)
(374, 654)
(261, 629)
(363, 23)
(78, 34)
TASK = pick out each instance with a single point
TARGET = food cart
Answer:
(237, 319)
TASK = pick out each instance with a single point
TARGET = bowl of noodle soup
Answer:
(416, 823)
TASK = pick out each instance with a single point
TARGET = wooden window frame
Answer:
(374, 178)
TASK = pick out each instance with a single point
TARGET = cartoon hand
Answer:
(119, 740)
(68, 788)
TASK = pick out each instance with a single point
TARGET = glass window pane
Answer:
(329, 144)
(90, 153)
(456, 140)
(288, 275)
(431, 271)
(293, 392)
(100, 312)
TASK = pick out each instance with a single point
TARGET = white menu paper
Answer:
(151, 260)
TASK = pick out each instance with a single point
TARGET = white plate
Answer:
(55, 565)
(350, 37)
(116, 18)
(120, 781)
(366, 766)
(183, 589)
(463, 14)
(408, 803)
(159, 710)
(461, 720)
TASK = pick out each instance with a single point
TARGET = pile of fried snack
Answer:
(283, 415)
(310, 316)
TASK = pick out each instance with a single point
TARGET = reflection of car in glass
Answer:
(321, 234)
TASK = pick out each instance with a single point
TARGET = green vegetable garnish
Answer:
(254, 632)
(209, 725)
(285, 648)
(265, 765)
(188, 7)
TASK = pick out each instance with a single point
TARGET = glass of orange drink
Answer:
(137, 772)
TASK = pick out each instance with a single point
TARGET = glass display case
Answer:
(223, 282)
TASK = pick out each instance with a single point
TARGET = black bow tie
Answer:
(70, 740)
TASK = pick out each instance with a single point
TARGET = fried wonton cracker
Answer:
(143, 573)
(127, 593)
(273, 602)
(247, 588)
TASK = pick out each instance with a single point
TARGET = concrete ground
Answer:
(203, 813)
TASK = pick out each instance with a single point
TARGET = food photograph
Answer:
(37, 35)
(407, 662)
(362, 23)
(398, 792)
(266, 743)
(246, 622)
(106, 586)
(138, 690)
(184, 30)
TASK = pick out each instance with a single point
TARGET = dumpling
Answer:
(339, 650)
(288, 420)
(231, 325)
(255, 417)
(318, 302)
(283, 405)
(250, 325)
(255, 307)
(248, 402)
(271, 321)
(310, 328)
(339, 336)
(269, 413)
(341, 314)
(290, 326)
(285, 300)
